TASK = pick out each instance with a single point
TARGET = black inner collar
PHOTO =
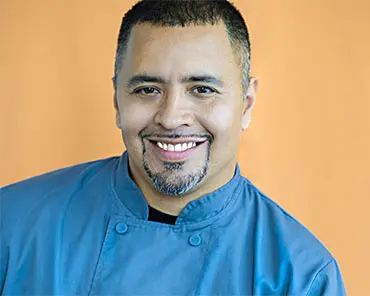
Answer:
(158, 216)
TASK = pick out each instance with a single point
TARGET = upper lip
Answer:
(177, 141)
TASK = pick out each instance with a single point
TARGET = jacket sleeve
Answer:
(3, 247)
(3, 262)
(328, 282)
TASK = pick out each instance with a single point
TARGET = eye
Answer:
(147, 91)
(203, 90)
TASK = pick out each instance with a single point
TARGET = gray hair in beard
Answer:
(182, 185)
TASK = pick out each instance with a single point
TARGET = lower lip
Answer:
(176, 155)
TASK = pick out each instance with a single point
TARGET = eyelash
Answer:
(212, 90)
(137, 91)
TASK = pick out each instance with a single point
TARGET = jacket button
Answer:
(195, 240)
(121, 227)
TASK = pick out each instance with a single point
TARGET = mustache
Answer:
(174, 135)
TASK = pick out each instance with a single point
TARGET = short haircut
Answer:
(173, 13)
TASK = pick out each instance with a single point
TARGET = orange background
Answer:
(309, 141)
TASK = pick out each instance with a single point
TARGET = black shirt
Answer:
(158, 216)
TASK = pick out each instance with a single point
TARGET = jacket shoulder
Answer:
(303, 256)
(285, 226)
(18, 198)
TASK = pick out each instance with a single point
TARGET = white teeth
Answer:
(177, 147)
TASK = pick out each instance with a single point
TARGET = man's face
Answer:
(179, 105)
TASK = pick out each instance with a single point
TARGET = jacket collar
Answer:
(196, 211)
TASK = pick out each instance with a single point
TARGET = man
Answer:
(172, 215)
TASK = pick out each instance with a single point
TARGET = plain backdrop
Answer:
(309, 140)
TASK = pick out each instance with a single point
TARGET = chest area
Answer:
(129, 258)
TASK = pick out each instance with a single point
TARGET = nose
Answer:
(173, 112)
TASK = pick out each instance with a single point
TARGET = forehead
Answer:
(179, 50)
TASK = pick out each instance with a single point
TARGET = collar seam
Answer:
(214, 215)
(209, 197)
(115, 194)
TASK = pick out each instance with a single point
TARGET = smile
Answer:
(177, 147)
(175, 151)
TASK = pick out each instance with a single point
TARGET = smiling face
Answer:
(179, 105)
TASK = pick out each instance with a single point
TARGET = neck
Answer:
(173, 205)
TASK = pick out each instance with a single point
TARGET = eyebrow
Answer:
(142, 78)
(138, 79)
(203, 78)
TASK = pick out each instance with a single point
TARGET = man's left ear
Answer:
(249, 101)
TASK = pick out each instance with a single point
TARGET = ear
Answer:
(115, 103)
(248, 103)
(116, 109)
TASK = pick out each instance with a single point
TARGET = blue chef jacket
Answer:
(84, 230)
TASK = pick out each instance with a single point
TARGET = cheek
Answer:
(222, 121)
(224, 124)
(134, 118)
